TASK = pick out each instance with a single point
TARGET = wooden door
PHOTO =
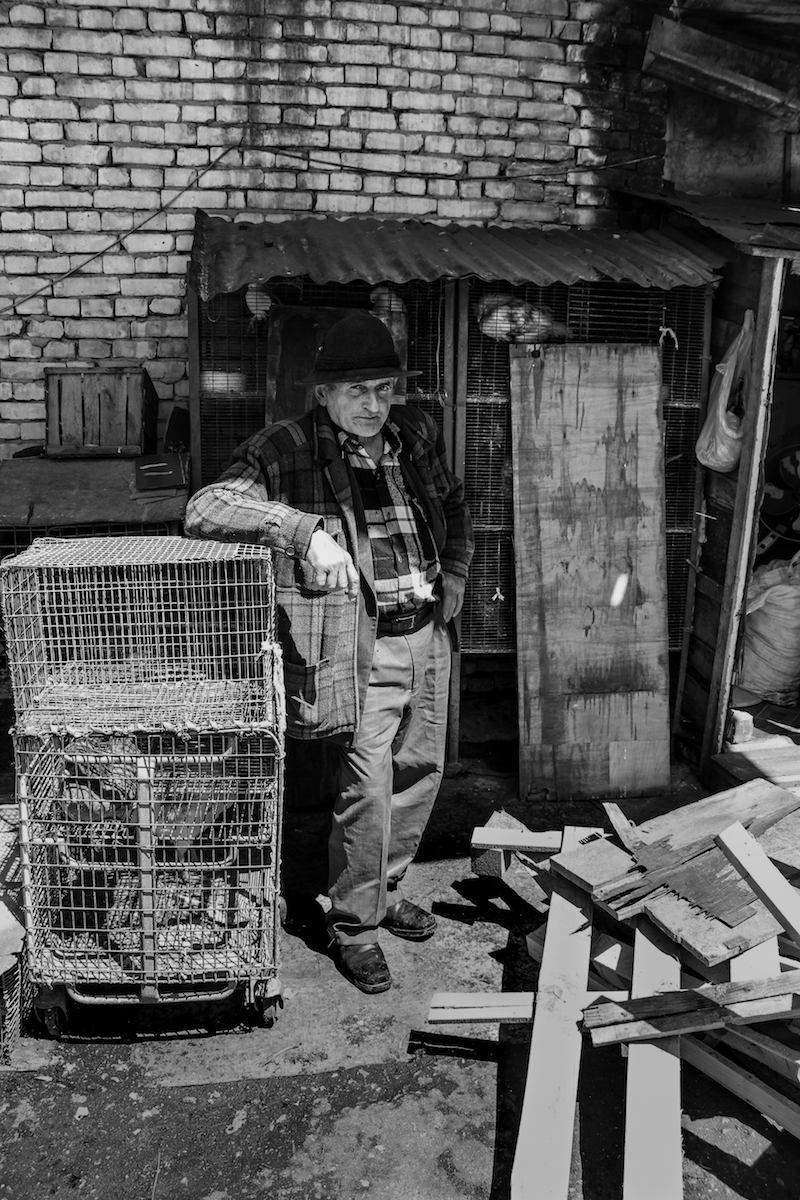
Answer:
(588, 508)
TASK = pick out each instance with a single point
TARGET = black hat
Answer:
(357, 347)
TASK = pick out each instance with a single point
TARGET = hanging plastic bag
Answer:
(771, 657)
(719, 445)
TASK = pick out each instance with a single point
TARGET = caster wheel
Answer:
(55, 1022)
(267, 1010)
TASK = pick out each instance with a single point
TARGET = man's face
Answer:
(359, 408)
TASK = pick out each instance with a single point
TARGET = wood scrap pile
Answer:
(690, 925)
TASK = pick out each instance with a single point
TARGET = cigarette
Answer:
(618, 591)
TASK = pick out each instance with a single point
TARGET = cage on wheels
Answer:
(151, 868)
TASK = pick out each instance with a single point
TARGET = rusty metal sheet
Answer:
(228, 254)
(754, 226)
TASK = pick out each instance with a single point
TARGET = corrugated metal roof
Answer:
(229, 254)
(754, 226)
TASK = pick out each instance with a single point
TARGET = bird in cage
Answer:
(258, 301)
(507, 318)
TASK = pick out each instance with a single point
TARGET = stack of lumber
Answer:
(673, 939)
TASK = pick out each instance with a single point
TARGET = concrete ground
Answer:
(351, 1096)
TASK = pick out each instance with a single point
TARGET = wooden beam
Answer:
(766, 1100)
(653, 1160)
(543, 1154)
(689, 1000)
(772, 1008)
(755, 427)
(490, 837)
(775, 892)
(783, 1060)
(455, 1008)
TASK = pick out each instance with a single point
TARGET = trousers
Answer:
(389, 780)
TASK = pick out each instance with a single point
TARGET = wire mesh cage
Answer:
(150, 863)
(141, 633)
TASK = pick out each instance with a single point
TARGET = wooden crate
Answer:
(100, 411)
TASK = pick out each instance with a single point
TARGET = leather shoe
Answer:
(409, 921)
(364, 965)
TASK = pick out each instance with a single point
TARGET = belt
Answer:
(407, 623)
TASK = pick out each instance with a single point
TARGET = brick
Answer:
(25, 14)
(424, 81)
(94, 307)
(488, 106)
(49, 109)
(25, 63)
(405, 206)
(412, 16)
(393, 163)
(15, 130)
(513, 210)
(399, 143)
(93, 349)
(409, 185)
(130, 19)
(15, 221)
(84, 42)
(85, 156)
(168, 68)
(355, 10)
(437, 144)
(11, 410)
(23, 348)
(50, 220)
(152, 113)
(341, 181)
(9, 175)
(372, 120)
(424, 122)
(352, 97)
(430, 39)
(379, 184)
(413, 100)
(61, 64)
(424, 60)
(95, 18)
(344, 204)
(135, 46)
(355, 53)
(25, 38)
(194, 69)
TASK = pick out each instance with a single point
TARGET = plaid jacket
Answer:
(283, 484)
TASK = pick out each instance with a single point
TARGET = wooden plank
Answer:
(694, 826)
(623, 827)
(748, 488)
(653, 1159)
(775, 892)
(93, 387)
(456, 1008)
(593, 703)
(543, 1154)
(687, 1000)
(709, 940)
(769, 1051)
(771, 1008)
(779, 764)
(486, 837)
(596, 863)
(766, 1100)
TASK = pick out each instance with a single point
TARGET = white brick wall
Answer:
(451, 110)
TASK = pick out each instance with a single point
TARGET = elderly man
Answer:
(373, 542)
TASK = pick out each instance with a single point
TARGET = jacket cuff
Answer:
(298, 534)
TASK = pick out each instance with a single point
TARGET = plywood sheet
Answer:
(589, 507)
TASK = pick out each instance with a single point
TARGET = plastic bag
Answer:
(719, 445)
(771, 657)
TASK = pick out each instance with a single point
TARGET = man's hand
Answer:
(329, 567)
(453, 595)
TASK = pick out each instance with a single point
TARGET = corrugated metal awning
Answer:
(759, 227)
(227, 254)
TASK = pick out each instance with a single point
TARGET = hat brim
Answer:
(355, 375)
